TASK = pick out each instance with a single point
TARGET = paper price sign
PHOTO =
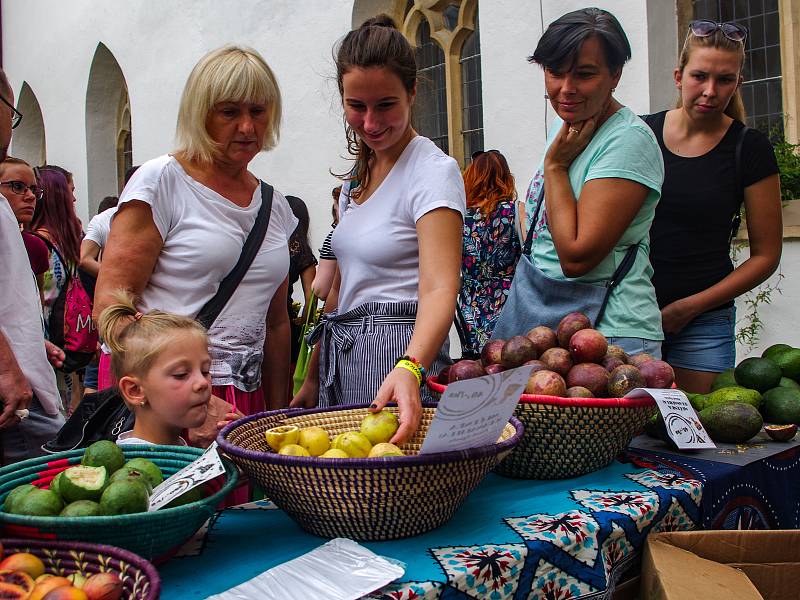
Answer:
(203, 469)
(474, 412)
(682, 423)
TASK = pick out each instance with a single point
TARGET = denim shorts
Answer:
(633, 346)
(90, 375)
(707, 343)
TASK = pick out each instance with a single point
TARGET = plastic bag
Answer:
(339, 570)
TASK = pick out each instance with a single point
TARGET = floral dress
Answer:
(490, 253)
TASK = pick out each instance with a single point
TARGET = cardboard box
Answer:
(721, 565)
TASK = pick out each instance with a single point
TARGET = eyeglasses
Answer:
(16, 117)
(732, 31)
(477, 153)
(19, 188)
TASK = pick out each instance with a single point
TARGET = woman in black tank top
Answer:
(713, 164)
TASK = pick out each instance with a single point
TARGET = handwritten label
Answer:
(682, 423)
(205, 468)
(474, 412)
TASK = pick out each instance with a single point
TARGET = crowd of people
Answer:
(627, 218)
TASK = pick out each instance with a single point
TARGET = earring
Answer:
(142, 403)
(546, 97)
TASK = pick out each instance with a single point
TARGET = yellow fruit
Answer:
(293, 450)
(355, 444)
(380, 426)
(315, 440)
(334, 453)
(385, 449)
(280, 436)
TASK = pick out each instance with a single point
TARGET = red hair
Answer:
(487, 181)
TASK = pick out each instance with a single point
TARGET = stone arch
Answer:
(106, 92)
(28, 142)
(364, 9)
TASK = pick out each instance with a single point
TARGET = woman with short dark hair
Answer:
(595, 192)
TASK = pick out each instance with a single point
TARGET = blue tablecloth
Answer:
(515, 539)
(562, 539)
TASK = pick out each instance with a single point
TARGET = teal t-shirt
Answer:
(624, 147)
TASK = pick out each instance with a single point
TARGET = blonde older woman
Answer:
(183, 219)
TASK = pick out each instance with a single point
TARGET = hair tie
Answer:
(137, 316)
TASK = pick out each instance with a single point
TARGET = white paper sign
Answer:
(205, 468)
(683, 426)
(474, 412)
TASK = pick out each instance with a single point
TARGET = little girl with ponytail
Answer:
(162, 364)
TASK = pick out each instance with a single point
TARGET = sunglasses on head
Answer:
(705, 28)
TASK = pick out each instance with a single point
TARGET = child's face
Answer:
(178, 386)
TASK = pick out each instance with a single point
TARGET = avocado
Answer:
(788, 362)
(789, 383)
(698, 401)
(724, 379)
(731, 422)
(732, 394)
(775, 350)
(757, 374)
(782, 406)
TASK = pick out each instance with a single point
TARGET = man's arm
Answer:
(15, 391)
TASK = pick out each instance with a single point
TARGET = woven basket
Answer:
(140, 579)
(363, 499)
(153, 535)
(568, 437)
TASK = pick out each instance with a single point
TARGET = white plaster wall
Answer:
(156, 44)
(780, 315)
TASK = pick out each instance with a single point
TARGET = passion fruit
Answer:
(590, 376)
(490, 353)
(623, 379)
(12, 592)
(658, 374)
(546, 383)
(47, 584)
(543, 338)
(577, 391)
(282, 435)
(557, 360)
(588, 346)
(517, 351)
(781, 433)
(569, 325)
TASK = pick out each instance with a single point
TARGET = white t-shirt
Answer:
(21, 312)
(376, 242)
(98, 228)
(203, 235)
(126, 439)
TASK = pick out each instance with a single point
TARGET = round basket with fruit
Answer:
(38, 569)
(575, 416)
(334, 472)
(101, 495)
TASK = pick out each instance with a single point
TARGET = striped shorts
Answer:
(360, 347)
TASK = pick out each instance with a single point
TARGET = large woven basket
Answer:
(140, 579)
(568, 437)
(361, 498)
(153, 535)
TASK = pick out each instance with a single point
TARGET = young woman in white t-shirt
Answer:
(397, 244)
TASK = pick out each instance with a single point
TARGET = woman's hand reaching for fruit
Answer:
(402, 387)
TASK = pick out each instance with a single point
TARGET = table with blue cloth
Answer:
(515, 539)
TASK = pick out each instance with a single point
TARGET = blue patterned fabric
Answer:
(557, 539)
(762, 495)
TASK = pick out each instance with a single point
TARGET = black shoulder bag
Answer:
(104, 415)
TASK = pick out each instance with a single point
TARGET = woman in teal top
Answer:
(602, 175)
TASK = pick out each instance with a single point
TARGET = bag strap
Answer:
(619, 273)
(53, 248)
(737, 218)
(211, 309)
